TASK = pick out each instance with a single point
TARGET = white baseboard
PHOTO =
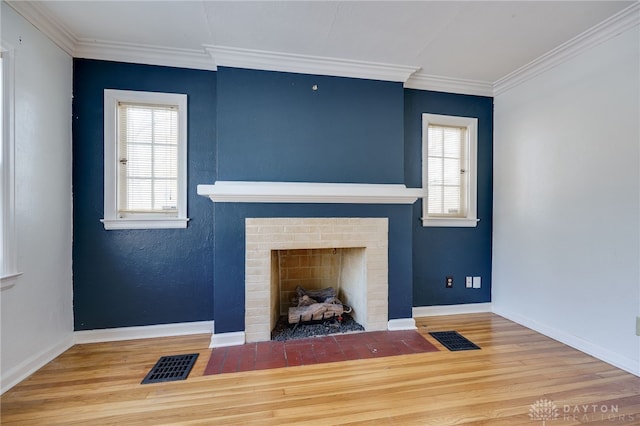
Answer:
(32, 364)
(468, 308)
(221, 340)
(143, 332)
(402, 324)
(624, 363)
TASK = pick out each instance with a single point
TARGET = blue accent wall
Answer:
(274, 126)
(262, 125)
(457, 252)
(140, 277)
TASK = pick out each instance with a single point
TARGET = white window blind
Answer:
(148, 159)
(446, 169)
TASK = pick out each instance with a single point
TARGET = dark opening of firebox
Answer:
(285, 331)
(315, 289)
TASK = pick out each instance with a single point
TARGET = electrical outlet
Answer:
(469, 282)
(476, 282)
(448, 282)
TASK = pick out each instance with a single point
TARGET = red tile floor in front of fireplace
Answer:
(315, 350)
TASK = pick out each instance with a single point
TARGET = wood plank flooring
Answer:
(517, 373)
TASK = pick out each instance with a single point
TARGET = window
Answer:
(145, 153)
(449, 146)
(8, 249)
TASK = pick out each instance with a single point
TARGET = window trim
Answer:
(471, 218)
(9, 272)
(111, 219)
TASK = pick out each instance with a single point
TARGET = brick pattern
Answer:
(316, 350)
(266, 235)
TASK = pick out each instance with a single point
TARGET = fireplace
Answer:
(361, 233)
(354, 250)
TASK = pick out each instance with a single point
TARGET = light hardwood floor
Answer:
(516, 371)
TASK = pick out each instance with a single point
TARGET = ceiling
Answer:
(472, 41)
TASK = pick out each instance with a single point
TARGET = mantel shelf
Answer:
(306, 192)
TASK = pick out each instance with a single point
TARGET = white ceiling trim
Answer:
(143, 54)
(55, 30)
(108, 50)
(275, 61)
(450, 85)
(607, 29)
(304, 64)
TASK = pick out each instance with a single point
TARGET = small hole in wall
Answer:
(314, 87)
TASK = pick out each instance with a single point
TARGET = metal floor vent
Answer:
(170, 368)
(454, 341)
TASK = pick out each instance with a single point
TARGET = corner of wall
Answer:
(30, 365)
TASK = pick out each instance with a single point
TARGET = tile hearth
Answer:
(316, 350)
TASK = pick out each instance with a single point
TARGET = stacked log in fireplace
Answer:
(316, 305)
(315, 313)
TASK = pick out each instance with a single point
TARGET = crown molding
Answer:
(304, 64)
(143, 54)
(450, 85)
(108, 50)
(606, 30)
(39, 18)
(59, 34)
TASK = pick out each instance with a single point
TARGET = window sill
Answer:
(9, 280)
(450, 222)
(163, 223)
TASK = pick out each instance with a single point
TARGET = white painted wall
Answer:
(37, 314)
(566, 258)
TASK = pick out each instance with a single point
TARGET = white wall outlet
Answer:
(476, 282)
(469, 282)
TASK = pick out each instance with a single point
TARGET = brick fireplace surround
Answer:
(368, 296)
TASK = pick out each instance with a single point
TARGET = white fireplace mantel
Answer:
(307, 192)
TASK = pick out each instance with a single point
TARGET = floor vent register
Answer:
(171, 368)
(454, 341)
